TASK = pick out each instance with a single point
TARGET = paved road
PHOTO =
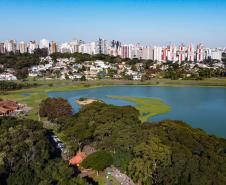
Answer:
(123, 179)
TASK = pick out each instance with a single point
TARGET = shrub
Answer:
(98, 161)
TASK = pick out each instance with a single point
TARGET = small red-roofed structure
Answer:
(76, 160)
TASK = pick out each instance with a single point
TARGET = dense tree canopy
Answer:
(175, 153)
(164, 153)
(107, 125)
(19, 62)
(26, 156)
(9, 85)
(53, 108)
(80, 57)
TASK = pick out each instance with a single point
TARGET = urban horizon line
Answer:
(110, 40)
(115, 48)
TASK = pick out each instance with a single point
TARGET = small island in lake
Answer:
(86, 101)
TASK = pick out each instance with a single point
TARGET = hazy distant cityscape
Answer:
(171, 52)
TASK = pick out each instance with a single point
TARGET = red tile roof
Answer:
(76, 160)
(9, 105)
(3, 110)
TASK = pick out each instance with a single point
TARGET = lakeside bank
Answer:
(37, 94)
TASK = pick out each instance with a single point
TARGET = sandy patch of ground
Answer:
(86, 101)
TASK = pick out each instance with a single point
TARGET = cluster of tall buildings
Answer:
(116, 48)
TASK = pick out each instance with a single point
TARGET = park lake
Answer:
(201, 107)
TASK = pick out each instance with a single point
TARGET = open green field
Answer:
(148, 107)
(36, 95)
(102, 180)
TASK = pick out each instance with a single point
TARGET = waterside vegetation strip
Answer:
(37, 94)
(148, 107)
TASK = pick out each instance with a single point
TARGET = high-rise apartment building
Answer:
(101, 46)
(74, 46)
(136, 51)
(148, 53)
(216, 54)
(22, 47)
(2, 47)
(52, 47)
(32, 45)
(165, 51)
(114, 49)
(65, 48)
(190, 53)
(89, 48)
(157, 53)
(44, 43)
(126, 51)
(10, 46)
(172, 53)
(200, 53)
(181, 53)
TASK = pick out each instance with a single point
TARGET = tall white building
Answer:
(216, 54)
(22, 47)
(65, 48)
(89, 48)
(157, 53)
(44, 43)
(10, 46)
(136, 51)
(148, 53)
(32, 45)
(75, 45)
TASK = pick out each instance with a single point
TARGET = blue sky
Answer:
(152, 22)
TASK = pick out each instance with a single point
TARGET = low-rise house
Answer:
(7, 76)
(219, 65)
(12, 108)
(91, 75)
(77, 76)
(7, 107)
(4, 111)
(117, 76)
(136, 76)
(101, 64)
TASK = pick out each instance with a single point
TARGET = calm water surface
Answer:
(201, 107)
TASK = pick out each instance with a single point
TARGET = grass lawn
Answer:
(36, 95)
(102, 180)
(148, 107)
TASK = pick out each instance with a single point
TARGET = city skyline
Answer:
(146, 22)
(115, 48)
(109, 41)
